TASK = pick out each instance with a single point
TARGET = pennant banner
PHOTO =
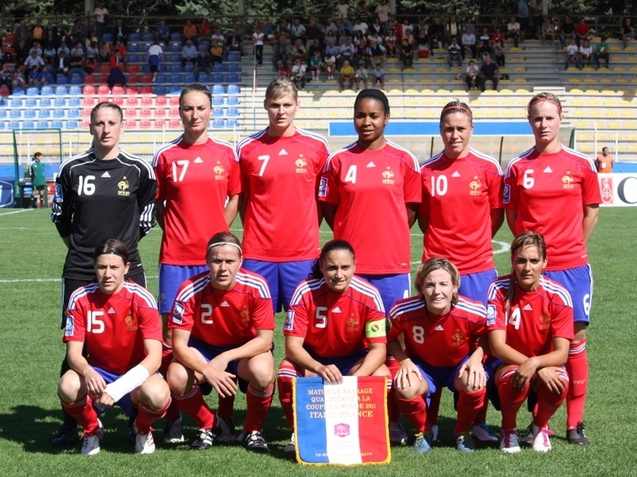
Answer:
(341, 424)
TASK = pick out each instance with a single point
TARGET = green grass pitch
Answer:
(31, 257)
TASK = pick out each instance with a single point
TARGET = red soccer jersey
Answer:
(113, 327)
(371, 189)
(549, 192)
(223, 317)
(194, 180)
(534, 318)
(336, 324)
(443, 342)
(280, 176)
(458, 196)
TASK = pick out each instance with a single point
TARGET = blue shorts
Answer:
(476, 285)
(282, 278)
(125, 403)
(490, 368)
(170, 279)
(438, 377)
(392, 287)
(579, 283)
(343, 363)
(210, 352)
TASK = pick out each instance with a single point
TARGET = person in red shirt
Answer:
(222, 329)
(280, 168)
(117, 325)
(335, 327)
(444, 336)
(530, 327)
(553, 190)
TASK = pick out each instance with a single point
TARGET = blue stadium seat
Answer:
(75, 101)
(218, 101)
(176, 68)
(42, 124)
(146, 68)
(133, 57)
(189, 78)
(107, 37)
(175, 36)
(61, 89)
(161, 78)
(189, 67)
(75, 80)
(203, 77)
(75, 89)
(72, 124)
(233, 89)
(217, 67)
(232, 100)
(234, 56)
(33, 91)
(232, 122)
(233, 67)
(73, 113)
(175, 47)
(58, 124)
(148, 36)
(46, 90)
(59, 102)
(217, 78)
(28, 124)
(175, 89)
(15, 103)
(203, 46)
(31, 102)
(218, 89)
(45, 102)
(133, 47)
(161, 90)
(176, 78)
(232, 111)
(145, 47)
(218, 112)
(61, 79)
(15, 113)
(44, 113)
(18, 91)
(218, 123)
(1, 125)
(3, 113)
(134, 36)
(13, 124)
(233, 78)
(174, 57)
(59, 113)
(29, 113)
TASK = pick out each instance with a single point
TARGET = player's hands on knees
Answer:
(408, 375)
(95, 383)
(551, 379)
(221, 380)
(104, 400)
(473, 375)
(524, 373)
(330, 373)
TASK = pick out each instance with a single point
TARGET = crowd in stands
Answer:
(351, 47)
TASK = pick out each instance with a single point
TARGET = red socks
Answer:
(259, 403)
(83, 413)
(469, 405)
(577, 368)
(414, 410)
(193, 404)
(146, 416)
(511, 398)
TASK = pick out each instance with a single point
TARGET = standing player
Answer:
(114, 349)
(530, 323)
(102, 193)
(197, 176)
(222, 326)
(553, 190)
(335, 327)
(280, 167)
(38, 181)
(469, 183)
(443, 337)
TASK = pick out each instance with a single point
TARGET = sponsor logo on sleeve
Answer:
(490, 315)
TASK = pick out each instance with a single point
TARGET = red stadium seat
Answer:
(160, 100)
(132, 89)
(160, 124)
(130, 124)
(88, 89)
(160, 113)
(174, 100)
(145, 113)
(130, 100)
(103, 89)
(104, 68)
(146, 90)
(117, 90)
(130, 113)
(147, 101)
(147, 78)
(145, 124)
(174, 124)
(88, 101)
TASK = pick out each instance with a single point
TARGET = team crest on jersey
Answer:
(567, 180)
(245, 315)
(123, 187)
(458, 339)
(506, 196)
(131, 323)
(545, 320)
(301, 165)
(475, 187)
(289, 321)
(219, 170)
(388, 176)
(69, 328)
(353, 324)
(177, 315)
(322, 192)
(59, 195)
(490, 315)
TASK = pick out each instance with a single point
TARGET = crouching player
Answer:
(530, 327)
(222, 327)
(444, 336)
(118, 323)
(335, 327)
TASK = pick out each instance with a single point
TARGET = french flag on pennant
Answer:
(341, 424)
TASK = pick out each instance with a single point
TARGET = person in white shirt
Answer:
(383, 11)
(513, 31)
(572, 55)
(468, 43)
(257, 40)
(343, 9)
(298, 73)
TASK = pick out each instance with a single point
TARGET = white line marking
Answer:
(46, 280)
(15, 212)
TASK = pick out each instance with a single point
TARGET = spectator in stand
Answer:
(76, 61)
(437, 33)
(361, 75)
(586, 53)
(328, 26)
(315, 46)
(498, 37)
(345, 29)
(257, 40)
(203, 62)
(6, 76)
(93, 30)
(216, 51)
(37, 32)
(299, 70)
(36, 48)
(390, 43)
(62, 63)
(283, 70)
(154, 57)
(189, 32)
(234, 42)
(188, 53)
(347, 75)
(628, 32)
(23, 32)
(63, 48)
(48, 54)
(313, 32)
(468, 43)
(602, 52)
(452, 30)
(361, 26)
(604, 162)
(316, 64)
(523, 18)
(363, 13)
(218, 36)
(581, 30)
(204, 30)
(298, 50)
(379, 76)
(485, 50)
(484, 36)
(281, 52)
(120, 31)
(104, 53)
(101, 16)
(116, 75)
(382, 13)
(572, 55)
(298, 31)
(329, 64)
(489, 72)
(91, 50)
(378, 53)
(377, 28)
(90, 65)
(283, 29)
(513, 31)
(567, 31)
(346, 51)
(51, 40)
(342, 9)
(498, 52)
(407, 53)
(33, 60)
(548, 31)
(473, 76)
(33, 77)
(454, 53)
(162, 32)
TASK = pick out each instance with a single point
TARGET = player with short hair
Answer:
(444, 338)
(38, 181)
(280, 168)
(335, 327)
(222, 327)
(114, 349)
(530, 327)
(197, 176)
(553, 190)
(469, 183)
(102, 193)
